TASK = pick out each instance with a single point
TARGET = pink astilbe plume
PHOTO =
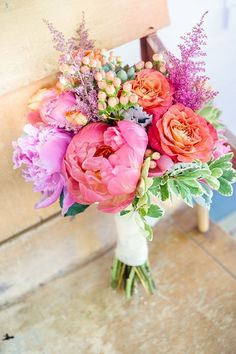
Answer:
(185, 73)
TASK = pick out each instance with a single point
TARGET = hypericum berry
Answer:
(148, 65)
(102, 106)
(133, 98)
(110, 89)
(124, 100)
(110, 75)
(157, 57)
(116, 82)
(127, 86)
(98, 76)
(93, 63)
(102, 95)
(84, 69)
(148, 153)
(102, 85)
(112, 101)
(162, 68)
(139, 65)
(156, 155)
(86, 60)
(153, 164)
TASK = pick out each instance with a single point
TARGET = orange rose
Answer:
(153, 90)
(183, 135)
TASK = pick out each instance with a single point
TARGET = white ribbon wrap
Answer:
(131, 246)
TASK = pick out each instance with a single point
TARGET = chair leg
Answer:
(202, 219)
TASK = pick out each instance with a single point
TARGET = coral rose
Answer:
(183, 135)
(102, 165)
(153, 90)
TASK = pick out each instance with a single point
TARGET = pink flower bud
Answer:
(148, 65)
(124, 100)
(110, 75)
(117, 82)
(139, 65)
(98, 76)
(133, 98)
(127, 86)
(112, 102)
(86, 61)
(102, 95)
(102, 106)
(84, 69)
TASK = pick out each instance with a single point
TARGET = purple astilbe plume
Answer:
(191, 87)
(82, 39)
(70, 62)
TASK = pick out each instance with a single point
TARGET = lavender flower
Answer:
(41, 151)
(190, 86)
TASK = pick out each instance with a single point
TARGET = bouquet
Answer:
(126, 138)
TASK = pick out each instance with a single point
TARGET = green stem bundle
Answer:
(126, 277)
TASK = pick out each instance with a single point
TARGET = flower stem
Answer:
(127, 277)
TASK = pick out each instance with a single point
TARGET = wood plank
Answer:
(17, 199)
(219, 244)
(26, 48)
(51, 250)
(192, 312)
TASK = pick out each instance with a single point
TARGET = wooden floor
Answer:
(192, 312)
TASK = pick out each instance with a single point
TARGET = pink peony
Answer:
(41, 151)
(102, 164)
(53, 109)
(56, 109)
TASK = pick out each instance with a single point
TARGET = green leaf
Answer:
(222, 162)
(148, 231)
(200, 173)
(124, 212)
(217, 172)
(185, 193)
(74, 209)
(155, 211)
(213, 182)
(206, 198)
(230, 175)
(211, 114)
(155, 187)
(164, 191)
(225, 188)
(173, 186)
